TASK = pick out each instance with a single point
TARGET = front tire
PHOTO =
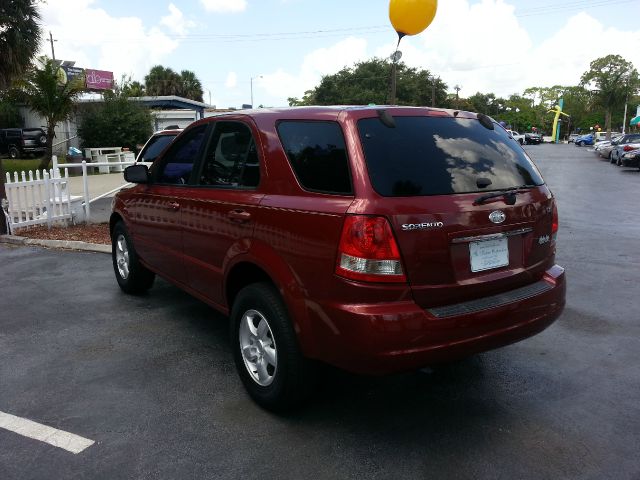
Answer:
(132, 276)
(266, 351)
(14, 153)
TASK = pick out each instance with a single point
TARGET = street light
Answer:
(259, 76)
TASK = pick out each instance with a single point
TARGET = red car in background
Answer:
(376, 239)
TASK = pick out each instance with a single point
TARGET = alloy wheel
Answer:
(258, 347)
(122, 257)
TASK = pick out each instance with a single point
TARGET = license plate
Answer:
(489, 254)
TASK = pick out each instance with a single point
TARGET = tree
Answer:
(613, 79)
(116, 121)
(162, 81)
(369, 81)
(20, 36)
(133, 89)
(53, 100)
(190, 86)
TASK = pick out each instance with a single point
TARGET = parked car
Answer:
(19, 142)
(630, 159)
(583, 140)
(532, 138)
(625, 144)
(373, 239)
(572, 137)
(156, 144)
(518, 137)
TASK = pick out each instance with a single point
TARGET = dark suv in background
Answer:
(375, 239)
(18, 142)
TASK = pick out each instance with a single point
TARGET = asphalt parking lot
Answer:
(151, 380)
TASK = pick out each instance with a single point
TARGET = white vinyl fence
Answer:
(46, 198)
(34, 200)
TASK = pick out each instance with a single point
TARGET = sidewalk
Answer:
(98, 185)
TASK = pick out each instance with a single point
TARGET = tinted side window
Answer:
(317, 154)
(439, 156)
(232, 158)
(177, 164)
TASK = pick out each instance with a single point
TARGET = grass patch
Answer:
(19, 165)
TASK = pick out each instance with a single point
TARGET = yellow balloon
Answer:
(410, 17)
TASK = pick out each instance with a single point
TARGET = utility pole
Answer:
(53, 52)
(433, 91)
(395, 57)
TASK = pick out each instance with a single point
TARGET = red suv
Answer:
(376, 239)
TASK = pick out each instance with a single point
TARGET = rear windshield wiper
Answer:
(509, 195)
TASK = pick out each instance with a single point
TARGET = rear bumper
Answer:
(630, 162)
(392, 337)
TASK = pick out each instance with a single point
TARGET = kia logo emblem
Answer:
(497, 216)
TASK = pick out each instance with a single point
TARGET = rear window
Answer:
(440, 156)
(155, 147)
(318, 156)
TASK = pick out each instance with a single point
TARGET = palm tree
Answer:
(191, 86)
(19, 38)
(162, 81)
(133, 89)
(45, 95)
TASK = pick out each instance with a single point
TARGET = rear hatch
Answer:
(33, 137)
(439, 181)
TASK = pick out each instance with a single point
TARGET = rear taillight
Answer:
(628, 148)
(554, 223)
(368, 251)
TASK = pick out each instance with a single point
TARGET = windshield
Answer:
(439, 156)
(154, 147)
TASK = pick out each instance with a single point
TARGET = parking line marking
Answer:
(58, 438)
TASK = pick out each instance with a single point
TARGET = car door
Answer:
(157, 209)
(219, 217)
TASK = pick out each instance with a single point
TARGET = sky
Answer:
(281, 48)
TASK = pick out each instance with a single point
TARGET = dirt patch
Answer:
(90, 233)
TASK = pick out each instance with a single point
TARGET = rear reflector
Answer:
(554, 223)
(368, 251)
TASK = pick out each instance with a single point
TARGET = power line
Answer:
(554, 8)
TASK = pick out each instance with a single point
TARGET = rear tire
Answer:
(132, 276)
(266, 351)
(14, 153)
(579, 144)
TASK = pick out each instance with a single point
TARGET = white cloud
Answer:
(224, 6)
(95, 39)
(176, 22)
(483, 47)
(232, 80)
(323, 61)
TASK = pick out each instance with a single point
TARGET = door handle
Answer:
(240, 216)
(173, 206)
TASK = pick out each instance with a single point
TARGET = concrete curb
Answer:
(56, 244)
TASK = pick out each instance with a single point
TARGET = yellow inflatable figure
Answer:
(558, 111)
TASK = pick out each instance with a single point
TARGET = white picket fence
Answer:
(35, 199)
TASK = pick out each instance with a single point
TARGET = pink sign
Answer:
(98, 79)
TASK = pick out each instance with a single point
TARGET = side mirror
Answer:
(136, 174)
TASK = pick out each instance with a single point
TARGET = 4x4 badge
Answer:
(497, 216)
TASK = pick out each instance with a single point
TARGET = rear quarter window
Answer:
(440, 156)
(317, 153)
